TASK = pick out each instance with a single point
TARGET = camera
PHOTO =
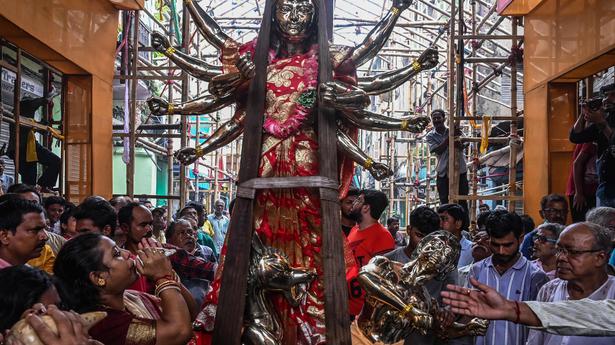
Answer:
(593, 104)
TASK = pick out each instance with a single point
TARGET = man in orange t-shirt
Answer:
(367, 239)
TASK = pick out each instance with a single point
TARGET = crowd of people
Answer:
(151, 274)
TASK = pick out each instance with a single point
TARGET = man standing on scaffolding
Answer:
(31, 152)
(437, 139)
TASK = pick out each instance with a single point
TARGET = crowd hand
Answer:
(579, 201)
(151, 261)
(428, 59)
(71, 329)
(159, 42)
(402, 4)
(246, 66)
(158, 106)
(595, 116)
(484, 302)
(186, 155)
(380, 171)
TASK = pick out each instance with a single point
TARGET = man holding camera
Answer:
(599, 115)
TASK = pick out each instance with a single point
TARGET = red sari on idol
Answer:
(289, 219)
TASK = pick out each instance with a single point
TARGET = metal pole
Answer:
(183, 191)
(17, 113)
(512, 172)
(453, 188)
(475, 146)
(130, 168)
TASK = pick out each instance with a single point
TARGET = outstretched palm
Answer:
(485, 302)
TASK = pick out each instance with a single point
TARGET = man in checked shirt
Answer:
(136, 220)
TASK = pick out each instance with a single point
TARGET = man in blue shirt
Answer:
(220, 224)
(510, 273)
(454, 219)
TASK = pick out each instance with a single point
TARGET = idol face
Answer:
(294, 18)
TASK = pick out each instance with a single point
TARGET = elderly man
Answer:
(544, 247)
(553, 209)
(582, 256)
(604, 216)
(220, 224)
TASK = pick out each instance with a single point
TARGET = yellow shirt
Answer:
(208, 228)
(45, 261)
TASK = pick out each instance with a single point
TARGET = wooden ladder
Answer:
(230, 310)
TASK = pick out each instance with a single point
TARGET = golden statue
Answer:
(397, 303)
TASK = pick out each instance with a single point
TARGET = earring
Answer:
(102, 282)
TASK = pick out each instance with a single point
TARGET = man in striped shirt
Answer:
(507, 271)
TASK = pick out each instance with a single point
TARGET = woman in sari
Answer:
(94, 274)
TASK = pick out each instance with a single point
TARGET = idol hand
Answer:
(418, 124)
(246, 66)
(380, 171)
(186, 155)
(158, 106)
(428, 59)
(159, 42)
(402, 4)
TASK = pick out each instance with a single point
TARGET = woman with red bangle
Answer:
(94, 274)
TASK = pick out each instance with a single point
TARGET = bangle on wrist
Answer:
(368, 164)
(198, 151)
(404, 125)
(395, 10)
(170, 51)
(416, 66)
(166, 288)
(406, 310)
(171, 276)
(170, 109)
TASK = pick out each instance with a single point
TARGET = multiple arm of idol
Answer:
(348, 100)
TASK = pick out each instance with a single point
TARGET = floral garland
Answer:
(304, 103)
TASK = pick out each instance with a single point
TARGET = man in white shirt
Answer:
(582, 253)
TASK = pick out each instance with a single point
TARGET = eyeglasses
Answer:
(571, 252)
(544, 239)
(555, 210)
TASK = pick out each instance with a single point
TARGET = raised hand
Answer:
(186, 155)
(485, 302)
(158, 106)
(428, 59)
(402, 4)
(380, 171)
(246, 66)
(159, 42)
(152, 262)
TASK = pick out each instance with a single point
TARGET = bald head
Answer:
(582, 253)
(595, 236)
